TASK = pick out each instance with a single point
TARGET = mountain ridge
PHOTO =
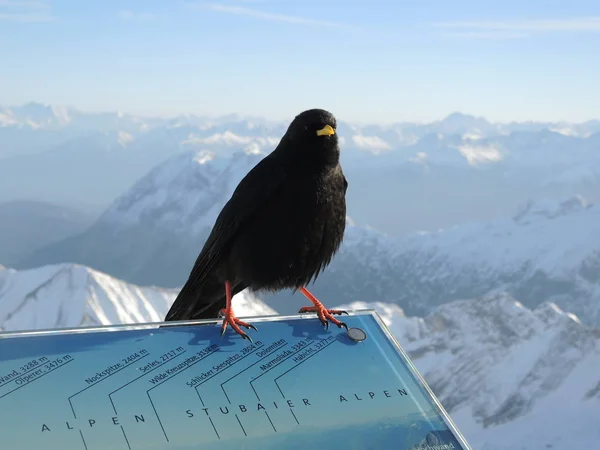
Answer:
(498, 367)
(506, 372)
(37, 115)
(428, 168)
(20, 231)
(72, 295)
(545, 250)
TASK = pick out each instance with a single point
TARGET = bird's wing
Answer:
(247, 201)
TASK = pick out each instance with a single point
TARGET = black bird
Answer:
(280, 228)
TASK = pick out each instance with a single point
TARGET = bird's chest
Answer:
(313, 201)
(306, 212)
(300, 229)
(310, 193)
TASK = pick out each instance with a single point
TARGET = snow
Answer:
(462, 138)
(549, 250)
(475, 154)
(511, 377)
(69, 295)
(373, 143)
(6, 119)
(232, 139)
(124, 138)
(545, 243)
(162, 199)
(535, 234)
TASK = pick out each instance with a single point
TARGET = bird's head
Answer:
(313, 136)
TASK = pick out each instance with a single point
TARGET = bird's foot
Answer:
(230, 319)
(325, 315)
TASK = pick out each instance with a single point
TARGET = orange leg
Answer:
(230, 318)
(323, 313)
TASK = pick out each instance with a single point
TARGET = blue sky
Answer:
(365, 60)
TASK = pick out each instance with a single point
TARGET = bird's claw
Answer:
(230, 319)
(325, 315)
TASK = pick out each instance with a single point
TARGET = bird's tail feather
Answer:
(197, 302)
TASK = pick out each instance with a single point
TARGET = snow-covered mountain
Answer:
(68, 295)
(514, 375)
(547, 251)
(36, 116)
(39, 116)
(45, 151)
(153, 233)
(156, 202)
(511, 378)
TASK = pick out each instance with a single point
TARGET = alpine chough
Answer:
(279, 230)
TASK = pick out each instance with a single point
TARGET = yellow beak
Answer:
(327, 130)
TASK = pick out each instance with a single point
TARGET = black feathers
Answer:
(282, 225)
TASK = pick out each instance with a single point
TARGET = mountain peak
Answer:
(461, 119)
(551, 314)
(551, 208)
(180, 193)
(454, 116)
(72, 295)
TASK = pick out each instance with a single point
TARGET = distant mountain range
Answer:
(518, 375)
(26, 226)
(548, 250)
(153, 233)
(40, 116)
(438, 174)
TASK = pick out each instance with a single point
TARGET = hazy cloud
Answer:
(25, 11)
(520, 28)
(486, 35)
(243, 11)
(22, 4)
(130, 15)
